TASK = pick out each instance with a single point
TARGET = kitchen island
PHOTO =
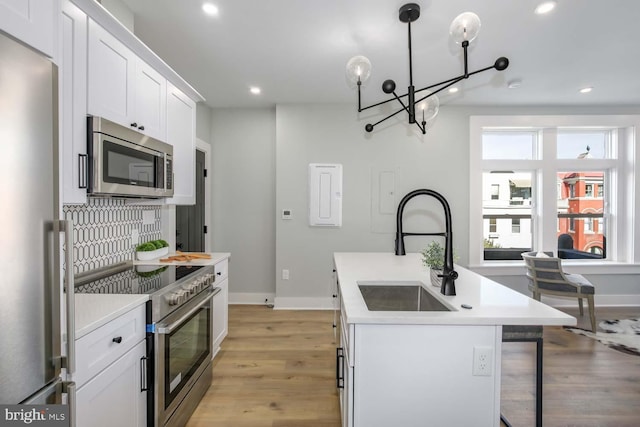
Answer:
(425, 368)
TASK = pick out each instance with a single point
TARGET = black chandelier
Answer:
(463, 29)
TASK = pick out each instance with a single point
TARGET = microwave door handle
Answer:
(167, 329)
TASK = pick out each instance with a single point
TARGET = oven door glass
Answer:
(185, 349)
(130, 166)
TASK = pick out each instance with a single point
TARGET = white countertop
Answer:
(94, 310)
(216, 257)
(492, 303)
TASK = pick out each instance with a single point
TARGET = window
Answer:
(588, 161)
(507, 217)
(495, 191)
(588, 190)
(588, 225)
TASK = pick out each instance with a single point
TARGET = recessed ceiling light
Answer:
(210, 9)
(586, 89)
(545, 7)
(255, 90)
(453, 90)
(514, 84)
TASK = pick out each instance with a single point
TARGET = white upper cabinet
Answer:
(32, 21)
(111, 72)
(122, 87)
(181, 133)
(151, 101)
(73, 104)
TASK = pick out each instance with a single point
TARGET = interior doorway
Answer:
(191, 226)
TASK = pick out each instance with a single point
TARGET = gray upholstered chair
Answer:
(545, 276)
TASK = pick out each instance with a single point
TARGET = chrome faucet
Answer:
(449, 275)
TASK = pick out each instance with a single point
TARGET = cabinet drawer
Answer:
(98, 349)
(222, 270)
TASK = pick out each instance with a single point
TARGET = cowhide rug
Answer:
(622, 335)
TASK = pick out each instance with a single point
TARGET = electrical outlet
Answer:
(135, 236)
(483, 361)
(285, 274)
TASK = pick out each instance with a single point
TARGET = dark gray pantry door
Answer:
(190, 220)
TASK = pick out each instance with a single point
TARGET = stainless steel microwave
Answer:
(125, 163)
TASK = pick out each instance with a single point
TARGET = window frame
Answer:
(620, 204)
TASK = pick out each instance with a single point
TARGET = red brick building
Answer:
(582, 193)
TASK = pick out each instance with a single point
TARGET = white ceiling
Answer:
(296, 50)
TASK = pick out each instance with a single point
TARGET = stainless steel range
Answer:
(179, 331)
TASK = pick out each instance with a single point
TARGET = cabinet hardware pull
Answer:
(134, 125)
(339, 367)
(144, 386)
(82, 170)
(141, 127)
(117, 340)
(219, 273)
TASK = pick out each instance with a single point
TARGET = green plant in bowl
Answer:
(146, 247)
(163, 243)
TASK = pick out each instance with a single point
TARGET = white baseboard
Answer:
(251, 298)
(599, 300)
(303, 303)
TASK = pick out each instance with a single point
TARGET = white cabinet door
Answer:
(31, 21)
(123, 88)
(181, 133)
(73, 100)
(112, 69)
(151, 101)
(113, 397)
(220, 317)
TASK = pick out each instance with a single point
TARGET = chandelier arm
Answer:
(454, 79)
(406, 108)
(439, 90)
(388, 117)
(423, 127)
(382, 102)
(481, 70)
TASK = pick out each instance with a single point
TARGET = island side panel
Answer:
(418, 375)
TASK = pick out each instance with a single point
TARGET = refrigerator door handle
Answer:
(70, 389)
(70, 296)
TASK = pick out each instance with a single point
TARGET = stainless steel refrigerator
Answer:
(30, 256)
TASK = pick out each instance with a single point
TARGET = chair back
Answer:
(544, 272)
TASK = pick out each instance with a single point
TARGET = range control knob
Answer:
(172, 298)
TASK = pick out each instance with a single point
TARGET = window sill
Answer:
(516, 268)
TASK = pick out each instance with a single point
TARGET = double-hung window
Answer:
(570, 182)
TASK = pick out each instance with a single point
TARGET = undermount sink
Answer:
(399, 296)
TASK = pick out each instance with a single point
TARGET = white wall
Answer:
(203, 122)
(243, 151)
(303, 134)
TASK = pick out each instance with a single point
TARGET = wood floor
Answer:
(277, 369)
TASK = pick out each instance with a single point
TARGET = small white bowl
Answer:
(149, 255)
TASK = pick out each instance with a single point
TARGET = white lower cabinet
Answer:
(114, 397)
(220, 317)
(416, 375)
(111, 375)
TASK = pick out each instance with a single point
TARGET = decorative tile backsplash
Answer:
(102, 231)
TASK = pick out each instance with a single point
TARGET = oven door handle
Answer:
(167, 329)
